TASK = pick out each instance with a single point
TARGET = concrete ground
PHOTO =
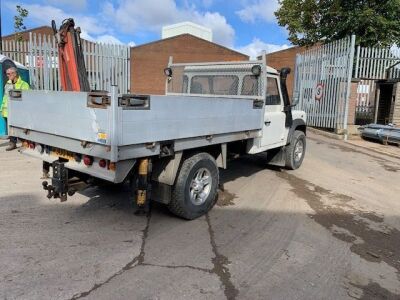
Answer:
(376, 146)
(330, 230)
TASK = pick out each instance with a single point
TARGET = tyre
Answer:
(195, 190)
(296, 150)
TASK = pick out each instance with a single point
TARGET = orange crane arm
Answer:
(71, 62)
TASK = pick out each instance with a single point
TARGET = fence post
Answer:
(30, 61)
(350, 73)
(357, 62)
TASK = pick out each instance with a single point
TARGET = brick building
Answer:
(285, 58)
(149, 60)
(43, 30)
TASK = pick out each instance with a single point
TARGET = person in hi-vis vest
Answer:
(14, 82)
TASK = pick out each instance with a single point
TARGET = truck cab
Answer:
(234, 80)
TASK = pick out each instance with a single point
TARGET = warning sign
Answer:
(319, 91)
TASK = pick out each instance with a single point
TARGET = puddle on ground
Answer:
(372, 291)
(377, 245)
(343, 148)
(352, 225)
(341, 197)
(224, 197)
(371, 216)
(387, 167)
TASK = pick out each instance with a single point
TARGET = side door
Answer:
(274, 117)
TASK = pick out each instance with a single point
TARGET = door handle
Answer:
(267, 123)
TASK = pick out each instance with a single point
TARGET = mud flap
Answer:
(276, 156)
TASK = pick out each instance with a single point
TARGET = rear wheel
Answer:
(195, 189)
(296, 150)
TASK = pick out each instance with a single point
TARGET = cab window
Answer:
(214, 84)
(250, 85)
(200, 85)
(273, 96)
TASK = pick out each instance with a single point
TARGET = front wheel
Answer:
(296, 150)
(195, 189)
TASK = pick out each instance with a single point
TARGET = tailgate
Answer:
(66, 114)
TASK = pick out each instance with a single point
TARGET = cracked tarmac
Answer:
(329, 230)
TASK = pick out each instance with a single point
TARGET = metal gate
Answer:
(322, 83)
(106, 64)
(372, 64)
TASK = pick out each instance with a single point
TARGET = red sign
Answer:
(39, 61)
(319, 91)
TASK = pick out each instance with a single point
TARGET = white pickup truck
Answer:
(169, 147)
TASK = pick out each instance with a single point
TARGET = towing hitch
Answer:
(59, 182)
(61, 185)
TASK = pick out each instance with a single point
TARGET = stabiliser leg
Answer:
(142, 204)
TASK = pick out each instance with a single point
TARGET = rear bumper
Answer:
(92, 149)
(122, 168)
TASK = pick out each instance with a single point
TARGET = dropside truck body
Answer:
(168, 146)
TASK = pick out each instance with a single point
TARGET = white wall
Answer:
(187, 27)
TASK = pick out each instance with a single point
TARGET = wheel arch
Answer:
(165, 171)
(298, 124)
(179, 203)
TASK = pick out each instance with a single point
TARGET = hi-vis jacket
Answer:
(19, 85)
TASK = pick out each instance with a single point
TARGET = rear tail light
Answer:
(102, 163)
(111, 166)
(32, 145)
(25, 144)
(87, 160)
